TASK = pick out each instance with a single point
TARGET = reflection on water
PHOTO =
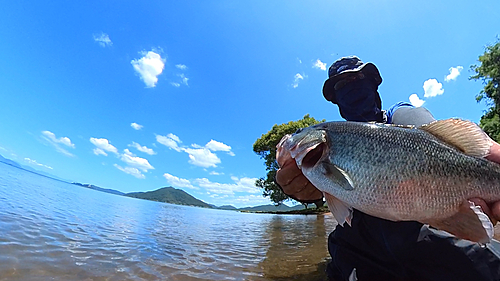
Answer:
(297, 246)
(57, 231)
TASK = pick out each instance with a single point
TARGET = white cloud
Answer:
(178, 182)
(103, 145)
(202, 157)
(62, 140)
(239, 185)
(181, 66)
(319, 64)
(214, 145)
(224, 193)
(131, 171)
(246, 184)
(135, 162)
(103, 39)
(239, 201)
(217, 146)
(53, 140)
(432, 88)
(175, 84)
(416, 101)
(98, 151)
(184, 79)
(214, 173)
(136, 126)
(454, 72)
(174, 137)
(142, 148)
(149, 67)
(34, 162)
(249, 200)
(297, 79)
(171, 141)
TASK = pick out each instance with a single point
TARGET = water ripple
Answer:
(57, 231)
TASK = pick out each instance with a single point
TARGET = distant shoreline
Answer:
(312, 211)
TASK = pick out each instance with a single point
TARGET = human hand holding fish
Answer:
(491, 209)
(427, 174)
(293, 182)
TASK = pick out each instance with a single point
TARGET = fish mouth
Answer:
(313, 156)
(309, 151)
(305, 148)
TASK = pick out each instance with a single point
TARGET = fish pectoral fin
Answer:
(462, 134)
(470, 223)
(340, 210)
(338, 176)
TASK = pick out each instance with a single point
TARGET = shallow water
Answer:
(51, 230)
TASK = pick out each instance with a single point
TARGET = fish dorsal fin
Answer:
(340, 210)
(338, 176)
(462, 134)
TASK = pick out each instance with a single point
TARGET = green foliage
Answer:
(490, 123)
(488, 71)
(265, 147)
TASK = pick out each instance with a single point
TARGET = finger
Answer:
(494, 153)
(486, 209)
(297, 186)
(282, 154)
(310, 193)
(495, 210)
(287, 173)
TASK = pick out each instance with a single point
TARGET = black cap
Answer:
(343, 67)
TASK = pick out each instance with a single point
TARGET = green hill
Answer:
(169, 195)
(227, 207)
(107, 190)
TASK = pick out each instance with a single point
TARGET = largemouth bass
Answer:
(424, 174)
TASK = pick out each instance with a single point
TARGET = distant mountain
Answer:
(261, 208)
(10, 162)
(169, 195)
(29, 169)
(166, 194)
(227, 207)
(271, 208)
(107, 190)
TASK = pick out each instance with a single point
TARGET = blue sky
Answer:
(138, 95)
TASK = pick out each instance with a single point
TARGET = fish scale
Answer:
(407, 155)
(397, 173)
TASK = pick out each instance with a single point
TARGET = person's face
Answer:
(356, 96)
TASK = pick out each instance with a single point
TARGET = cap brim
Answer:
(329, 85)
(329, 90)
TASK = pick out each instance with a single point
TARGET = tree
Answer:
(265, 147)
(488, 71)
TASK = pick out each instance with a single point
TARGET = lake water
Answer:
(51, 230)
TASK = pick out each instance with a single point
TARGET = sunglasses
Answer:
(348, 79)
